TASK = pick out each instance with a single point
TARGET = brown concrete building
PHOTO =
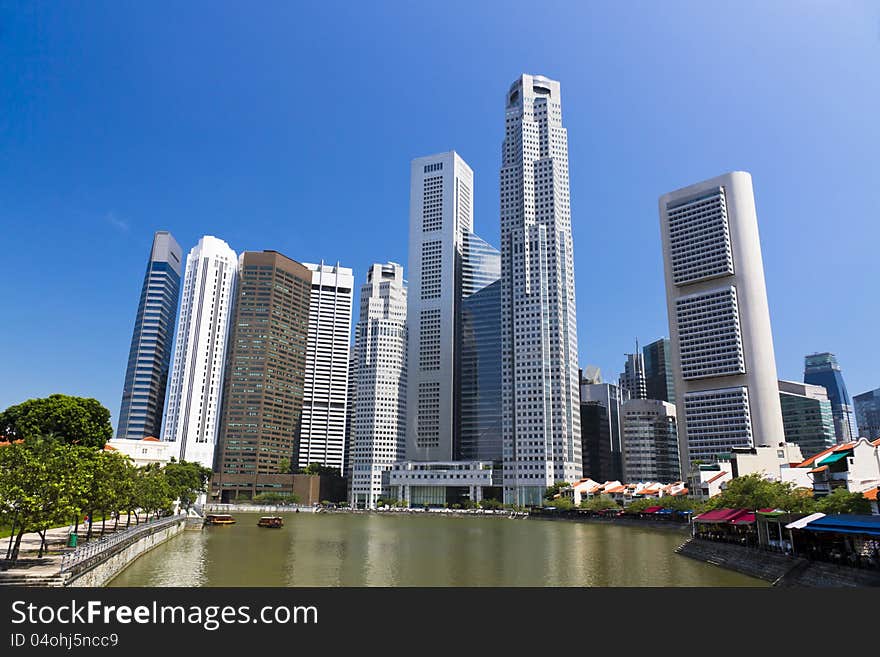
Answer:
(265, 371)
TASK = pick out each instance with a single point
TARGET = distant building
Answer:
(659, 380)
(600, 430)
(867, 407)
(632, 379)
(266, 366)
(321, 436)
(145, 451)
(149, 357)
(822, 370)
(853, 465)
(378, 392)
(719, 320)
(650, 441)
(806, 416)
(195, 390)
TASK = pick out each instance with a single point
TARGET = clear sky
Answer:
(290, 126)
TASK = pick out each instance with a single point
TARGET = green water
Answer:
(413, 550)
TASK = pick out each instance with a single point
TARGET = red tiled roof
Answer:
(825, 452)
(872, 493)
(615, 489)
(718, 476)
(152, 439)
(819, 469)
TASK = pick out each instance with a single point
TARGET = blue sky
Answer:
(290, 126)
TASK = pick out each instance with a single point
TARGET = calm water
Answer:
(384, 550)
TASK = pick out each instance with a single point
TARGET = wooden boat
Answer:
(219, 519)
(273, 522)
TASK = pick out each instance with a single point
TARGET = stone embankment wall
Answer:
(778, 569)
(257, 508)
(107, 570)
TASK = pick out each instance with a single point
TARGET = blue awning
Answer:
(665, 511)
(834, 458)
(845, 523)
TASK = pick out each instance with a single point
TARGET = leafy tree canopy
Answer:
(553, 490)
(76, 420)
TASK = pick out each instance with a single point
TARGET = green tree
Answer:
(284, 466)
(490, 503)
(187, 480)
(40, 485)
(553, 490)
(318, 469)
(77, 420)
(277, 498)
(599, 503)
(152, 491)
(561, 503)
(842, 501)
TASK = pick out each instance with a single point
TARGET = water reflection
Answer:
(376, 550)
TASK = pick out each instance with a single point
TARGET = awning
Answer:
(721, 515)
(652, 509)
(803, 522)
(847, 523)
(664, 511)
(745, 519)
(834, 458)
(821, 468)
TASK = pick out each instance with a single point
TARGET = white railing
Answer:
(94, 552)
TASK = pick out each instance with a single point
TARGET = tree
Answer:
(842, 501)
(561, 503)
(76, 420)
(553, 491)
(599, 503)
(277, 498)
(40, 484)
(187, 480)
(284, 466)
(152, 491)
(318, 469)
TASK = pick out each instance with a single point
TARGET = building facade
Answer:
(378, 402)
(322, 432)
(649, 441)
(867, 407)
(806, 416)
(822, 370)
(265, 374)
(719, 320)
(541, 431)
(659, 380)
(192, 419)
(601, 448)
(149, 357)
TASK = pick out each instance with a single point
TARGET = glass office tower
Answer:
(822, 370)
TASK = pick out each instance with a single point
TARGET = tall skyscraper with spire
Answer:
(146, 377)
(632, 379)
(822, 370)
(541, 433)
(192, 418)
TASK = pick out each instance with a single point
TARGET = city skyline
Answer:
(120, 213)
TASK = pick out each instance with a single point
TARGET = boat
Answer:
(274, 522)
(219, 519)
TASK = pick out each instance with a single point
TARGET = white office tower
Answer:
(540, 419)
(378, 431)
(441, 216)
(649, 440)
(193, 415)
(719, 322)
(322, 431)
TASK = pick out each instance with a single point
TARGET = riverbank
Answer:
(778, 569)
(623, 521)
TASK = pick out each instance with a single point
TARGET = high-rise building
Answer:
(806, 416)
(149, 357)
(379, 402)
(265, 372)
(822, 370)
(632, 379)
(719, 320)
(322, 433)
(659, 380)
(453, 322)
(650, 441)
(192, 418)
(867, 406)
(540, 409)
(602, 458)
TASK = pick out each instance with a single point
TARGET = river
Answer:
(340, 549)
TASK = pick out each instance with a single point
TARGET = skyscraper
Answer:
(822, 370)
(193, 416)
(867, 406)
(632, 379)
(322, 434)
(719, 320)
(149, 357)
(265, 372)
(540, 408)
(659, 380)
(601, 447)
(806, 416)
(378, 433)
(649, 441)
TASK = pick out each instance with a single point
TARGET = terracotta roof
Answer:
(825, 452)
(876, 443)
(718, 476)
(819, 469)
(615, 489)
(872, 493)
(109, 448)
(152, 439)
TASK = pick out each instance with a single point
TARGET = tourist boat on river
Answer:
(219, 519)
(273, 522)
